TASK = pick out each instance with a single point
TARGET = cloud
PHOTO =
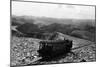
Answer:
(53, 10)
(70, 6)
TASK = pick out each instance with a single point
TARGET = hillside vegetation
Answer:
(24, 48)
(84, 29)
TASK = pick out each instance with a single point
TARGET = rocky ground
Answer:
(24, 52)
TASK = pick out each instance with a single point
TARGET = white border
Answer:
(5, 33)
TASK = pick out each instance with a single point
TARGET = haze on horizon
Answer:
(52, 10)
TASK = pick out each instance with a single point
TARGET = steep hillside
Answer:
(24, 50)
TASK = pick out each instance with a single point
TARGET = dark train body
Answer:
(54, 48)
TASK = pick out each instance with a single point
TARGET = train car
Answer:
(52, 48)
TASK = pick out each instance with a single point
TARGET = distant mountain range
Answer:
(48, 20)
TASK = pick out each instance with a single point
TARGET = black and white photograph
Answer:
(44, 33)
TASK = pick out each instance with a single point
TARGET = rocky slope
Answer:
(24, 51)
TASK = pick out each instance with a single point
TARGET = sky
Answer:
(52, 10)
